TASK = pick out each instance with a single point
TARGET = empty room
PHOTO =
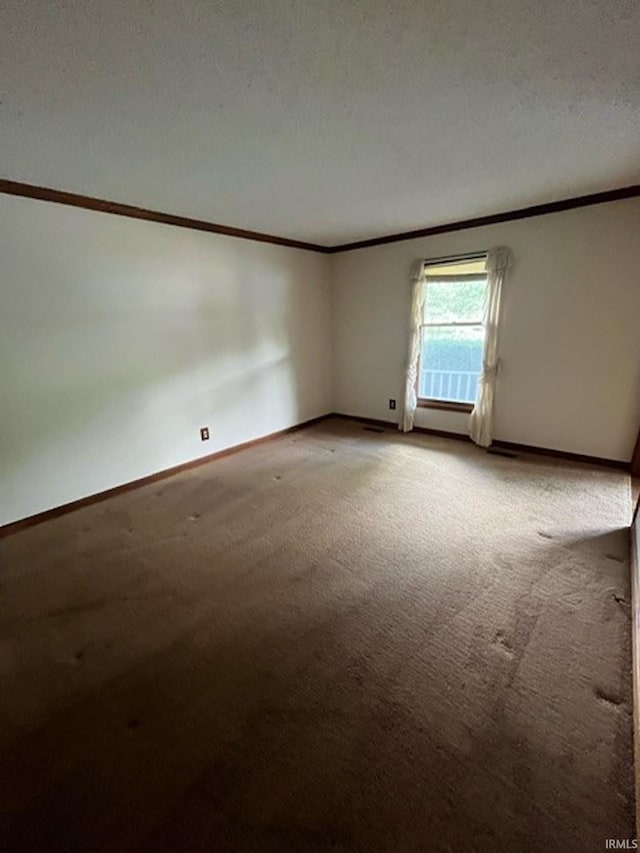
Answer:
(319, 426)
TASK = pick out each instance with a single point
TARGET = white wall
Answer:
(570, 343)
(119, 339)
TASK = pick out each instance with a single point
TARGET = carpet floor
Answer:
(339, 640)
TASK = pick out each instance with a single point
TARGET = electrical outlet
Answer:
(204, 434)
(392, 403)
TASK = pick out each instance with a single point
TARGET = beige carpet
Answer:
(336, 641)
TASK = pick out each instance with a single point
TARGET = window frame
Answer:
(434, 402)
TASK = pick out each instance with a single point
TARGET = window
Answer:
(452, 334)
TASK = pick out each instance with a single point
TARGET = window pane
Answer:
(450, 363)
(454, 301)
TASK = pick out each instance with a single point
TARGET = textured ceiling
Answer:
(322, 120)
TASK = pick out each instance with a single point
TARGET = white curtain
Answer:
(415, 325)
(480, 423)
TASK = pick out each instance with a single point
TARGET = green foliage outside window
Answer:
(454, 301)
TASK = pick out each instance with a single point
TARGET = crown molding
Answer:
(507, 216)
(18, 188)
(116, 208)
